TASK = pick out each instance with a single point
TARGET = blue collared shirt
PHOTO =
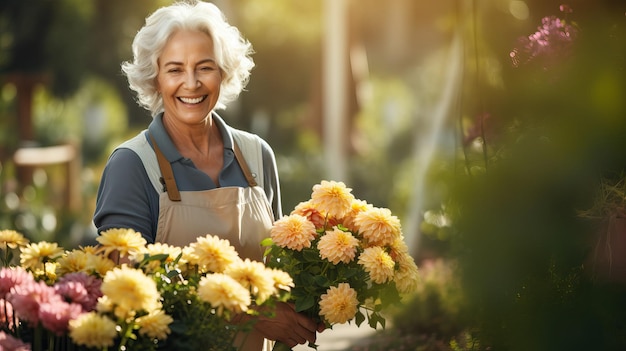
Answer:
(127, 199)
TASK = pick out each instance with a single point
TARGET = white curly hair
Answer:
(232, 51)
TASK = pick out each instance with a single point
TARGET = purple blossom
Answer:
(551, 43)
(80, 288)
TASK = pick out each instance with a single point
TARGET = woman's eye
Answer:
(173, 70)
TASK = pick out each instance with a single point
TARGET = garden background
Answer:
(504, 158)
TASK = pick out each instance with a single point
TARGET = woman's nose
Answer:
(191, 80)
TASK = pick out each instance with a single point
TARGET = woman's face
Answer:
(188, 77)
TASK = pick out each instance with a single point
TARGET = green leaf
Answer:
(321, 280)
(306, 279)
(376, 319)
(267, 242)
(359, 318)
(304, 303)
(158, 257)
(310, 255)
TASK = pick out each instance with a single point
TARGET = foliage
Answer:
(534, 156)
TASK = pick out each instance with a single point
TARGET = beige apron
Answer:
(241, 215)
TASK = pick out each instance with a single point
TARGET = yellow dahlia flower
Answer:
(155, 324)
(378, 226)
(35, 254)
(406, 277)
(125, 241)
(253, 276)
(212, 254)
(92, 330)
(378, 264)
(294, 232)
(46, 271)
(339, 304)
(282, 279)
(104, 304)
(332, 198)
(338, 246)
(99, 264)
(172, 253)
(130, 289)
(73, 261)
(11, 239)
(224, 292)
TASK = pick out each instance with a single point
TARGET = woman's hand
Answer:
(288, 326)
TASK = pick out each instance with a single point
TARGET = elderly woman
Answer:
(189, 173)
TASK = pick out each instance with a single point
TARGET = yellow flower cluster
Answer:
(343, 231)
(130, 296)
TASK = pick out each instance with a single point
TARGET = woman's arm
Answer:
(126, 198)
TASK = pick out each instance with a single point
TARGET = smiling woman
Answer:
(189, 173)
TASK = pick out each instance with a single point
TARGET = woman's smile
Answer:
(192, 100)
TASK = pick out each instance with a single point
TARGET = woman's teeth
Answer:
(191, 100)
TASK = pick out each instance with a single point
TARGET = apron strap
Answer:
(243, 165)
(166, 171)
(168, 174)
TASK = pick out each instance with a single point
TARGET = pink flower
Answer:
(80, 288)
(55, 316)
(6, 314)
(10, 277)
(551, 43)
(27, 299)
(9, 343)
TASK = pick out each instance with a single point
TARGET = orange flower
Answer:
(378, 264)
(332, 198)
(293, 232)
(406, 276)
(339, 304)
(357, 206)
(378, 226)
(338, 246)
(307, 210)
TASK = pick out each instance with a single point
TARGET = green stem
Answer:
(279, 346)
(127, 331)
(51, 343)
(37, 338)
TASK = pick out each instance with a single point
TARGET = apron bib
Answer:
(241, 215)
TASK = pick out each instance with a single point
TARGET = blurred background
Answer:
(494, 129)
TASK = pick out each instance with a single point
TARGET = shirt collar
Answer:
(157, 130)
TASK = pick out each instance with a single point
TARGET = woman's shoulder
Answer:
(245, 137)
